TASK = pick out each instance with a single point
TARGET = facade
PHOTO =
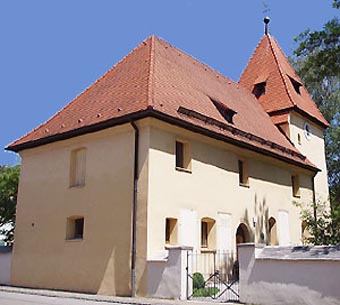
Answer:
(163, 150)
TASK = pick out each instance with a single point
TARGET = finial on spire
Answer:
(266, 21)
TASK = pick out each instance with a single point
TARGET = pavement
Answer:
(17, 295)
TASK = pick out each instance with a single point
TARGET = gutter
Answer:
(150, 112)
(134, 211)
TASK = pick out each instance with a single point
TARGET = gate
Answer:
(212, 274)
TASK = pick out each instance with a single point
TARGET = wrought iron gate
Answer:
(212, 274)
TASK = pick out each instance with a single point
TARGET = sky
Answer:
(50, 51)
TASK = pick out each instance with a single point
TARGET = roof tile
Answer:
(159, 77)
(280, 93)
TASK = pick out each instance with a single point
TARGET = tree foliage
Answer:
(317, 61)
(9, 178)
(322, 224)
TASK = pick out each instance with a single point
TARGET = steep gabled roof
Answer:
(158, 80)
(284, 89)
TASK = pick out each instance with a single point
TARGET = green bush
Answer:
(198, 280)
(199, 289)
(205, 292)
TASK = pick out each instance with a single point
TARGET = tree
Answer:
(9, 178)
(317, 61)
(324, 229)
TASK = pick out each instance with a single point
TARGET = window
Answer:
(77, 168)
(259, 89)
(183, 156)
(207, 237)
(299, 139)
(171, 231)
(295, 186)
(295, 84)
(226, 112)
(75, 227)
(272, 234)
(243, 173)
(204, 234)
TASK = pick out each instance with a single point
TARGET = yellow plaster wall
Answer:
(313, 149)
(101, 261)
(213, 185)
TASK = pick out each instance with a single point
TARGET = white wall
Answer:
(313, 148)
(283, 228)
(167, 277)
(5, 265)
(289, 276)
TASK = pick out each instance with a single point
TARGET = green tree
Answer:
(317, 61)
(324, 229)
(9, 178)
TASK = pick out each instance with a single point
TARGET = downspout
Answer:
(314, 208)
(134, 211)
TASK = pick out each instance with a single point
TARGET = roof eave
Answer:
(80, 131)
(150, 112)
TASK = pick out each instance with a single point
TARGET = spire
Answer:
(266, 21)
(271, 78)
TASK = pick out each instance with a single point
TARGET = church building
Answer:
(163, 150)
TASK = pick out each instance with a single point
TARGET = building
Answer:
(164, 150)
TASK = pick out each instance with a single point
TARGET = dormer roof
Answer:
(284, 90)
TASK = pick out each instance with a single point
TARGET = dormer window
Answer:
(297, 85)
(226, 112)
(259, 89)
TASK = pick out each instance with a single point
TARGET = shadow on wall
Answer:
(261, 227)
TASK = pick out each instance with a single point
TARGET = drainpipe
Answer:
(134, 211)
(314, 207)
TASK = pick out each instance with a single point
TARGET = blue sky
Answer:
(52, 50)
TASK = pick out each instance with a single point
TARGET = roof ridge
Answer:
(84, 91)
(250, 59)
(199, 62)
(280, 69)
(151, 72)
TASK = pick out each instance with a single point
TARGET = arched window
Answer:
(272, 234)
(208, 233)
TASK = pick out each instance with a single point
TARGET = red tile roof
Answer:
(157, 79)
(279, 76)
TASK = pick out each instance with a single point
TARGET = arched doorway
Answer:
(242, 234)
(272, 234)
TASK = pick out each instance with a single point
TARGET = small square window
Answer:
(243, 173)
(171, 231)
(183, 156)
(77, 168)
(296, 186)
(75, 228)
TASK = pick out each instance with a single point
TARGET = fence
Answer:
(214, 274)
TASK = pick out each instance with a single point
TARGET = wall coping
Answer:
(251, 245)
(177, 247)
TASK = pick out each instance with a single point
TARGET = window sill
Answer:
(185, 170)
(76, 186)
(245, 185)
(74, 239)
(207, 250)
